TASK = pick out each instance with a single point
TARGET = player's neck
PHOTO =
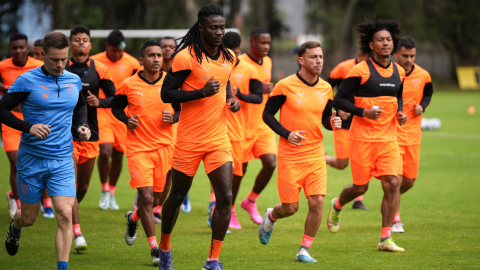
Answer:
(150, 76)
(310, 78)
(111, 58)
(211, 50)
(20, 63)
(80, 58)
(167, 64)
(256, 56)
(383, 61)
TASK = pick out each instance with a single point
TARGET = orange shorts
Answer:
(149, 169)
(340, 140)
(187, 156)
(373, 159)
(292, 177)
(409, 160)
(259, 146)
(11, 137)
(84, 151)
(237, 154)
(111, 131)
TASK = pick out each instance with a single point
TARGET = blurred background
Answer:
(446, 31)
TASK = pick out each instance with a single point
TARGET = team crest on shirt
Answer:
(70, 88)
(238, 78)
(122, 68)
(226, 67)
(320, 96)
(416, 82)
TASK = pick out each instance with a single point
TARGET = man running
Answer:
(10, 69)
(247, 88)
(149, 139)
(377, 86)
(305, 103)
(340, 136)
(37, 49)
(113, 133)
(199, 79)
(94, 75)
(260, 141)
(417, 94)
(51, 97)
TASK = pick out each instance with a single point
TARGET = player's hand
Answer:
(167, 116)
(40, 130)
(212, 87)
(335, 121)
(402, 118)
(233, 105)
(373, 113)
(84, 133)
(296, 137)
(235, 90)
(267, 88)
(344, 115)
(132, 122)
(92, 100)
(418, 110)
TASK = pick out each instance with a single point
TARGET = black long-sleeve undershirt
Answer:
(256, 92)
(80, 112)
(109, 90)
(7, 103)
(275, 103)
(427, 95)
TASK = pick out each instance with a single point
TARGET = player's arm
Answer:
(233, 104)
(118, 104)
(400, 98)
(255, 92)
(334, 81)
(272, 106)
(427, 95)
(107, 86)
(177, 108)
(2, 86)
(327, 115)
(170, 118)
(347, 88)
(79, 120)
(9, 101)
(171, 92)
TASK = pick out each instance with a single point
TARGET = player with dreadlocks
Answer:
(199, 80)
(378, 86)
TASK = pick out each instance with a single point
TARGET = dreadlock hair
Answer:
(192, 39)
(367, 30)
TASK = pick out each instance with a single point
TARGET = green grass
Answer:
(441, 215)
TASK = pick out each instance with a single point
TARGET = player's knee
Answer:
(146, 198)
(105, 153)
(290, 210)
(361, 189)
(63, 213)
(28, 219)
(224, 200)
(270, 163)
(315, 202)
(342, 164)
(407, 183)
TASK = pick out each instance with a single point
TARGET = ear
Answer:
(301, 60)
(140, 59)
(200, 27)
(370, 44)
(42, 53)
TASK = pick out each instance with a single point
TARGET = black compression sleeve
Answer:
(171, 92)
(271, 108)
(346, 88)
(427, 95)
(256, 92)
(119, 104)
(80, 112)
(334, 82)
(176, 115)
(7, 103)
(229, 90)
(108, 88)
(327, 115)
(400, 98)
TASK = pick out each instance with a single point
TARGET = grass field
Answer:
(441, 215)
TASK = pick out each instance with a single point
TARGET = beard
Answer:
(81, 53)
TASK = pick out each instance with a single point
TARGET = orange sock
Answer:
(359, 198)
(11, 194)
(157, 209)
(212, 197)
(307, 241)
(105, 187)
(19, 205)
(386, 232)
(252, 196)
(271, 216)
(135, 217)
(215, 247)
(112, 190)
(165, 242)
(76, 229)
(397, 217)
(47, 203)
(338, 205)
(152, 241)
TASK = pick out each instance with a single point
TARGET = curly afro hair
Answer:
(368, 28)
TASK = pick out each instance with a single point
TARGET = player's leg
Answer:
(46, 205)
(103, 172)
(63, 240)
(115, 171)
(12, 195)
(160, 199)
(24, 217)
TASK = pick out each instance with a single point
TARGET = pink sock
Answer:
(157, 209)
(152, 241)
(47, 203)
(112, 190)
(76, 229)
(359, 198)
(135, 217)
(252, 196)
(105, 187)
(338, 205)
(397, 217)
(386, 232)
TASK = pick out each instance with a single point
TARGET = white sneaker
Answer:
(397, 227)
(113, 203)
(131, 232)
(158, 218)
(105, 200)
(80, 243)
(12, 205)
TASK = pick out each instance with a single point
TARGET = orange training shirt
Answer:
(342, 69)
(9, 71)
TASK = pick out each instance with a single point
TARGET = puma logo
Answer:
(301, 95)
(141, 93)
(45, 87)
(206, 69)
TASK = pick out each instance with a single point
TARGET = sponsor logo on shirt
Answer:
(301, 95)
(45, 87)
(86, 84)
(387, 85)
(206, 69)
(416, 82)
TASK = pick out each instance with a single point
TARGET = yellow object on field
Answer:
(468, 78)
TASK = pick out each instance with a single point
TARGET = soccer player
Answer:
(10, 69)
(305, 103)
(37, 49)
(247, 89)
(417, 94)
(113, 133)
(260, 141)
(51, 97)
(149, 139)
(94, 75)
(199, 79)
(340, 136)
(377, 86)
(168, 45)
